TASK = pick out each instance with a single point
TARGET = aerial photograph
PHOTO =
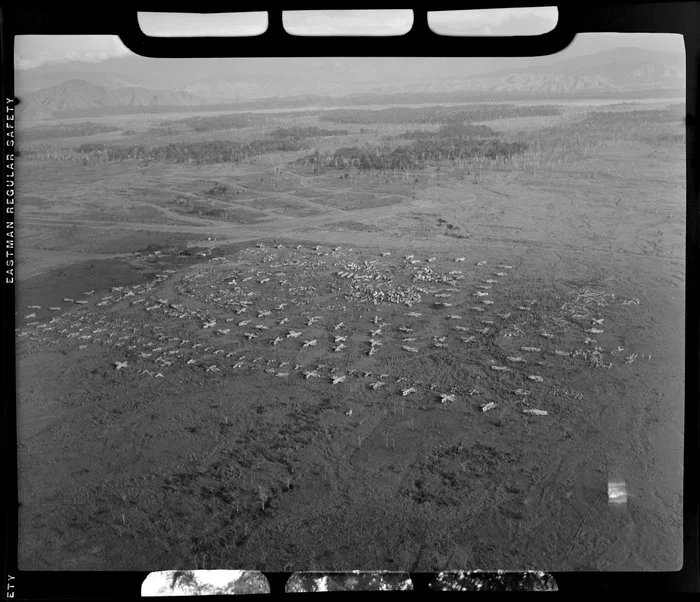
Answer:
(350, 313)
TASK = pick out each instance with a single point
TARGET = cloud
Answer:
(494, 22)
(33, 51)
(205, 24)
(348, 22)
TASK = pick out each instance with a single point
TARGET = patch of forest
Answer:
(299, 133)
(66, 130)
(210, 123)
(214, 151)
(450, 131)
(413, 156)
(435, 114)
(672, 114)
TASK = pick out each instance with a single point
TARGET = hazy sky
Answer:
(36, 55)
(33, 51)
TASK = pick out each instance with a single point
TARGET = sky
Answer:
(33, 51)
(39, 58)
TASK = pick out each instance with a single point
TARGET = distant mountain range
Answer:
(77, 97)
(330, 82)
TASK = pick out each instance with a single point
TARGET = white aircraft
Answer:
(311, 343)
(277, 340)
(408, 340)
(460, 328)
(444, 397)
(340, 339)
(262, 314)
(595, 331)
(536, 378)
(309, 373)
(30, 316)
(376, 385)
(376, 332)
(481, 262)
(244, 323)
(490, 281)
(430, 259)
(480, 294)
(33, 306)
(338, 379)
(414, 314)
(293, 334)
(411, 349)
(501, 368)
(409, 257)
(504, 316)
(281, 306)
(460, 259)
(242, 310)
(405, 329)
(120, 365)
(386, 254)
(468, 339)
(487, 302)
(598, 321)
(530, 349)
(261, 327)
(283, 321)
(408, 391)
(515, 359)
(339, 348)
(501, 274)
(251, 335)
(372, 351)
(339, 326)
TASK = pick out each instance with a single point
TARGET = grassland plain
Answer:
(220, 394)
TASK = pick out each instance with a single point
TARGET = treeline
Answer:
(216, 151)
(215, 122)
(412, 156)
(298, 133)
(436, 114)
(66, 130)
(613, 118)
(450, 131)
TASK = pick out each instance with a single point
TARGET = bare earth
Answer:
(260, 463)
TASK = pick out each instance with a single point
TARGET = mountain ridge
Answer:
(619, 71)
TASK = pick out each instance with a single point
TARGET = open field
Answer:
(283, 363)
